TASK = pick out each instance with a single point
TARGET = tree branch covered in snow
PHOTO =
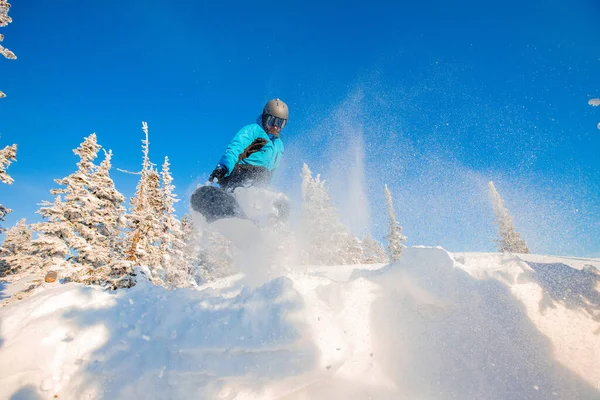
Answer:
(178, 272)
(16, 253)
(7, 156)
(394, 236)
(509, 240)
(4, 21)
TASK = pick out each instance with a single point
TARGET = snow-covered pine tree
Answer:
(394, 236)
(4, 21)
(82, 226)
(328, 241)
(152, 256)
(372, 251)
(7, 156)
(54, 235)
(509, 239)
(178, 272)
(216, 257)
(207, 254)
(90, 249)
(191, 239)
(140, 207)
(145, 217)
(16, 253)
(109, 218)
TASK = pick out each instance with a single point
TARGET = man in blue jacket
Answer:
(251, 158)
(255, 152)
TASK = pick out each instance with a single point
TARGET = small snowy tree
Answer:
(372, 251)
(394, 237)
(145, 216)
(216, 257)
(82, 226)
(191, 240)
(109, 214)
(7, 156)
(16, 253)
(79, 206)
(177, 271)
(4, 21)
(152, 227)
(108, 218)
(139, 205)
(509, 240)
(151, 251)
(54, 235)
(328, 241)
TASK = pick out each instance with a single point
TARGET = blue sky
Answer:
(436, 100)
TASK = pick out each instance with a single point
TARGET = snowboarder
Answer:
(250, 160)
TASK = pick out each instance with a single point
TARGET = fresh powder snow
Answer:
(433, 325)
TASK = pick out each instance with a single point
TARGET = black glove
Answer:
(218, 174)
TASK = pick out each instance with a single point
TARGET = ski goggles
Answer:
(272, 120)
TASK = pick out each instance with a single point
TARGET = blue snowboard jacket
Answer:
(268, 156)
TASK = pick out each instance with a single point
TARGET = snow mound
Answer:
(433, 325)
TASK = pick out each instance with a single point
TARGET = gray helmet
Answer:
(276, 108)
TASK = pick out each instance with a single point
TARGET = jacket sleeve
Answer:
(238, 144)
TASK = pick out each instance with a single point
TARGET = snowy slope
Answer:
(434, 325)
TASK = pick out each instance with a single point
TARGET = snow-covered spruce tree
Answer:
(140, 213)
(16, 253)
(191, 249)
(327, 240)
(4, 21)
(55, 234)
(145, 218)
(7, 155)
(394, 236)
(208, 255)
(178, 272)
(109, 219)
(372, 251)
(152, 256)
(89, 247)
(216, 257)
(86, 220)
(110, 213)
(509, 239)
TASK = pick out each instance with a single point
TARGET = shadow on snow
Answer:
(442, 334)
(182, 343)
(28, 392)
(575, 289)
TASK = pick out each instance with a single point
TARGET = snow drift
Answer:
(432, 325)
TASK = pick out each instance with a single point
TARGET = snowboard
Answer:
(215, 203)
(252, 204)
(242, 215)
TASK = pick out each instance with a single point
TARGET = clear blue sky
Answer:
(442, 99)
